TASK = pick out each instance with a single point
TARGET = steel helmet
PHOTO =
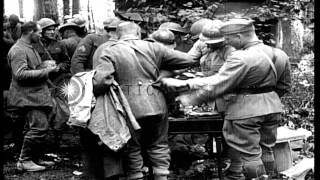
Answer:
(111, 23)
(175, 27)
(46, 22)
(197, 26)
(163, 36)
(71, 25)
(210, 34)
(79, 20)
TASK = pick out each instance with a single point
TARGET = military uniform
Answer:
(71, 44)
(253, 111)
(29, 97)
(136, 73)
(100, 162)
(55, 50)
(82, 58)
(14, 32)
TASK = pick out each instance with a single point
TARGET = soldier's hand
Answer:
(63, 66)
(184, 100)
(50, 69)
(174, 85)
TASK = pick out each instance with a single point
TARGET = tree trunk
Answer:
(21, 8)
(292, 38)
(38, 9)
(75, 6)
(45, 9)
(66, 4)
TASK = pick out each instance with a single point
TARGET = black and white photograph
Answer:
(158, 90)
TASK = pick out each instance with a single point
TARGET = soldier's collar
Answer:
(25, 43)
(251, 44)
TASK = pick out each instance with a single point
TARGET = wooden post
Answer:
(66, 7)
(21, 8)
(75, 6)
(38, 9)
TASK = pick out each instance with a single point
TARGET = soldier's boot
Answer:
(160, 177)
(29, 166)
(45, 163)
(254, 169)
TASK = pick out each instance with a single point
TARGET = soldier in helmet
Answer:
(164, 37)
(70, 33)
(81, 22)
(199, 48)
(82, 58)
(179, 32)
(49, 48)
(257, 75)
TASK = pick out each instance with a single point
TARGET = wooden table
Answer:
(211, 125)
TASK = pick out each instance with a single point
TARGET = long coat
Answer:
(136, 73)
(28, 86)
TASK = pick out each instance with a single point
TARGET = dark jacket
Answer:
(14, 32)
(28, 86)
(82, 58)
(58, 52)
(71, 44)
(136, 74)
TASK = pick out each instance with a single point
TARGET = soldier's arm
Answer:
(81, 55)
(20, 68)
(229, 76)
(103, 77)
(195, 52)
(173, 59)
(284, 77)
(64, 58)
(7, 38)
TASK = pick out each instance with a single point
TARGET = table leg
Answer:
(219, 153)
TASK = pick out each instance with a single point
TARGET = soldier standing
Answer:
(82, 58)
(135, 64)
(179, 33)
(29, 97)
(70, 33)
(49, 48)
(257, 75)
(101, 162)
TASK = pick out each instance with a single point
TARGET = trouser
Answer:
(18, 121)
(35, 132)
(250, 143)
(100, 162)
(153, 140)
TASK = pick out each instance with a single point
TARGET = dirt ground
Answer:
(69, 165)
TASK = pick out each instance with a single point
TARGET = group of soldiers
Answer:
(243, 80)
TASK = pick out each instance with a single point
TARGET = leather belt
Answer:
(254, 90)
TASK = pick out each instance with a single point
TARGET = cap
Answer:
(69, 25)
(211, 35)
(163, 36)
(175, 27)
(237, 25)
